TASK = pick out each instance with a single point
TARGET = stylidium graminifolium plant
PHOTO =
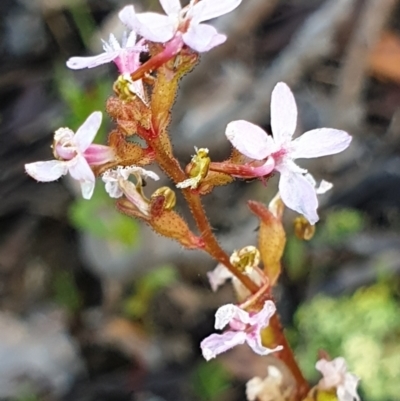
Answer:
(141, 107)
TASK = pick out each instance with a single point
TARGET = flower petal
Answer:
(203, 37)
(131, 40)
(348, 391)
(171, 6)
(249, 139)
(152, 26)
(226, 313)
(261, 319)
(208, 9)
(320, 142)
(81, 171)
(125, 172)
(47, 171)
(110, 179)
(86, 133)
(99, 154)
(218, 276)
(283, 113)
(216, 344)
(298, 194)
(77, 63)
(254, 342)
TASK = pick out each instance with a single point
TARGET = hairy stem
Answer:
(287, 356)
(171, 167)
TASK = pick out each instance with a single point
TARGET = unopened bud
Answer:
(169, 197)
(303, 229)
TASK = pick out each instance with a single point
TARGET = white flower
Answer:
(279, 152)
(75, 153)
(335, 375)
(185, 22)
(117, 184)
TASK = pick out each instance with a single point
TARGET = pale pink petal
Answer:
(283, 114)
(320, 142)
(87, 131)
(171, 6)
(130, 191)
(208, 9)
(152, 26)
(77, 63)
(203, 37)
(131, 40)
(254, 342)
(47, 171)
(127, 15)
(155, 27)
(81, 171)
(110, 178)
(348, 391)
(249, 139)
(261, 319)
(335, 375)
(323, 187)
(216, 344)
(229, 312)
(218, 276)
(125, 172)
(99, 154)
(298, 194)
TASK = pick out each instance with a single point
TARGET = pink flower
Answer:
(280, 151)
(75, 153)
(118, 184)
(126, 58)
(183, 22)
(335, 375)
(243, 327)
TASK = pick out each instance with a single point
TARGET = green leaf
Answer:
(146, 288)
(209, 380)
(99, 218)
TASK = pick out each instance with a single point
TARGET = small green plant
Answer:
(364, 328)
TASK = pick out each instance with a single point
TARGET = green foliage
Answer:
(363, 328)
(340, 225)
(65, 291)
(209, 380)
(82, 102)
(147, 286)
(27, 395)
(98, 217)
(295, 257)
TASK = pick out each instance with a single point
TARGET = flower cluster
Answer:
(144, 95)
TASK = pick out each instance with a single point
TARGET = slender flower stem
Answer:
(171, 167)
(286, 355)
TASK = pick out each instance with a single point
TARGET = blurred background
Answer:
(94, 306)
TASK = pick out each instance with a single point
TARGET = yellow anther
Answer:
(198, 169)
(168, 194)
(246, 258)
(303, 229)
